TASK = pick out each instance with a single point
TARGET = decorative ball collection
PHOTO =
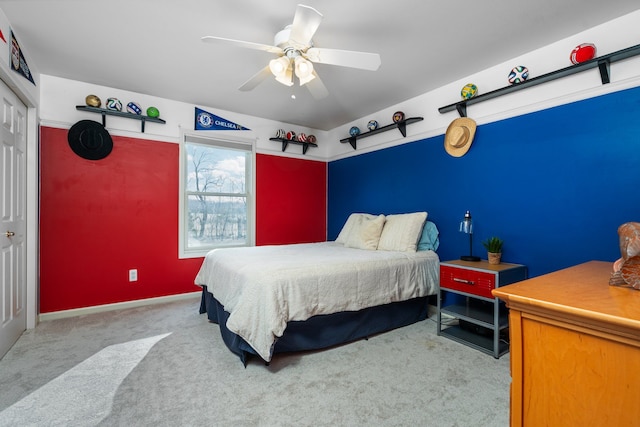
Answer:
(293, 136)
(518, 74)
(354, 131)
(372, 125)
(469, 91)
(583, 52)
(114, 104)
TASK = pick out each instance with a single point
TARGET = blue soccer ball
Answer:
(518, 74)
(355, 130)
(372, 125)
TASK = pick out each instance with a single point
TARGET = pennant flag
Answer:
(208, 121)
(18, 63)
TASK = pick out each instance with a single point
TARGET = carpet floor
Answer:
(166, 365)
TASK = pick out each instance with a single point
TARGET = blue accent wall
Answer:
(554, 184)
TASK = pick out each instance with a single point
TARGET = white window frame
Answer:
(222, 141)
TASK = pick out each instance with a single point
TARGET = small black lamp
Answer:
(466, 226)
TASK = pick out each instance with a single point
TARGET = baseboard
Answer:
(116, 306)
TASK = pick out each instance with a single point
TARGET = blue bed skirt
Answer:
(324, 330)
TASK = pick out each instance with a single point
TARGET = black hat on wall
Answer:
(90, 140)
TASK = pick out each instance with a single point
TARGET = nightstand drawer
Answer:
(469, 281)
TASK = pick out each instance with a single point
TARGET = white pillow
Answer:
(365, 233)
(348, 226)
(402, 232)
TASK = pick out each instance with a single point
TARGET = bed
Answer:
(376, 276)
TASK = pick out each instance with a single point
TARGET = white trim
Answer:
(116, 306)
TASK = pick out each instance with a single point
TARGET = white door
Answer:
(13, 284)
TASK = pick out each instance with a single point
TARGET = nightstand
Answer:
(480, 316)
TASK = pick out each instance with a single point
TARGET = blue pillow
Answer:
(429, 239)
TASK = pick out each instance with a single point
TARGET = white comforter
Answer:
(264, 287)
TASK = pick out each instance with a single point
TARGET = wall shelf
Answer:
(602, 63)
(285, 142)
(106, 112)
(401, 126)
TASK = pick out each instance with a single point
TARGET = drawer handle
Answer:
(468, 282)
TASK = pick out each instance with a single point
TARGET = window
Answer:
(216, 194)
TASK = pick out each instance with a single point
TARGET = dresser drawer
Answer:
(469, 281)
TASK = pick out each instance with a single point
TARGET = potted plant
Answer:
(493, 245)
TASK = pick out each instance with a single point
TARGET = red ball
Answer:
(582, 53)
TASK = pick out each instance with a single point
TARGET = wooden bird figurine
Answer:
(626, 270)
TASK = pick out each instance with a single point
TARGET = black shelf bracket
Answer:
(401, 126)
(603, 66)
(286, 142)
(104, 112)
(602, 63)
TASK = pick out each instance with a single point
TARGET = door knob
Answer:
(9, 233)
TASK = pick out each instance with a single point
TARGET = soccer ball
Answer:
(291, 135)
(114, 104)
(518, 74)
(302, 137)
(372, 125)
(153, 112)
(582, 53)
(312, 139)
(469, 91)
(355, 130)
(281, 134)
(134, 108)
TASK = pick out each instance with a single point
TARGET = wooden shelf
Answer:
(602, 63)
(285, 142)
(106, 112)
(401, 126)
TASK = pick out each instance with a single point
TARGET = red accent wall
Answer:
(98, 219)
(291, 205)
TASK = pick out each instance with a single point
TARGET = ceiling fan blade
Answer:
(254, 81)
(317, 88)
(305, 23)
(344, 58)
(240, 43)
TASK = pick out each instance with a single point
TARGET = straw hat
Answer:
(459, 136)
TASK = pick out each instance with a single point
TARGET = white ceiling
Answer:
(154, 47)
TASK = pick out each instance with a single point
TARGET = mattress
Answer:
(265, 287)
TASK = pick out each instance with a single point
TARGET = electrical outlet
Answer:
(133, 275)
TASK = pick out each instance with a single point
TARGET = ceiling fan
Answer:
(297, 53)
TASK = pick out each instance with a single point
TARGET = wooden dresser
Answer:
(575, 349)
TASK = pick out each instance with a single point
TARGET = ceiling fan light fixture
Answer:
(279, 66)
(281, 69)
(286, 78)
(304, 70)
